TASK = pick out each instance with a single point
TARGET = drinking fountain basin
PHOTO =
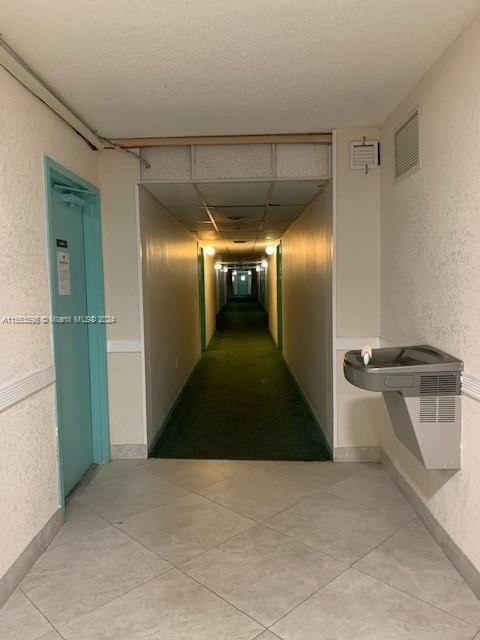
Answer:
(421, 387)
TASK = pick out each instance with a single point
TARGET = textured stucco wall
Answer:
(430, 290)
(360, 414)
(307, 304)
(118, 175)
(28, 463)
(171, 313)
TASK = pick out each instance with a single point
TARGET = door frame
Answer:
(201, 298)
(279, 297)
(97, 340)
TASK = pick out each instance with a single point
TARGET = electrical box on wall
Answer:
(364, 154)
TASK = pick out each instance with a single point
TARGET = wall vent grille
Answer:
(434, 407)
(364, 154)
(407, 147)
(428, 409)
(441, 384)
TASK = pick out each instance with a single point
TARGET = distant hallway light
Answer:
(218, 266)
(264, 264)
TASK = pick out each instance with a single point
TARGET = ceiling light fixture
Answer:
(210, 251)
(218, 266)
(270, 250)
(264, 264)
(258, 269)
(225, 269)
(243, 278)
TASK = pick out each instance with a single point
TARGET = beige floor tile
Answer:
(412, 561)
(374, 488)
(119, 490)
(20, 620)
(173, 607)
(53, 635)
(264, 573)
(191, 474)
(320, 475)
(337, 527)
(356, 606)
(79, 521)
(267, 635)
(257, 493)
(71, 579)
(180, 530)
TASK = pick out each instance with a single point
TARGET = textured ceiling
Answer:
(239, 219)
(211, 67)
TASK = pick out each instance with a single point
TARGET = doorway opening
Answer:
(78, 323)
(241, 402)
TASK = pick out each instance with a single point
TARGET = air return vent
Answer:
(364, 154)
(407, 148)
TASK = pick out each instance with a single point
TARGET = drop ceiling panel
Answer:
(233, 161)
(190, 214)
(234, 193)
(295, 192)
(238, 229)
(175, 195)
(285, 212)
(302, 160)
(166, 163)
(240, 213)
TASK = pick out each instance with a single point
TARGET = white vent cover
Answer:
(407, 148)
(364, 154)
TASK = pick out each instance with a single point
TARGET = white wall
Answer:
(272, 297)
(118, 175)
(210, 298)
(28, 459)
(307, 304)
(431, 265)
(171, 309)
(360, 414)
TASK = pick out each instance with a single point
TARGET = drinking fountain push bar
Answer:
(421, 386)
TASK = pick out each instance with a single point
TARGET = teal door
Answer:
(242, 285)
(71, 339)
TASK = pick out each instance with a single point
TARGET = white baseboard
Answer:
(124, 346)
(356, 454)
(128, 451)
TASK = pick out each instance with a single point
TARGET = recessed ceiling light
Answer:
(270, 251)
(210, 251)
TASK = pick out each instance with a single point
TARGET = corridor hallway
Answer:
(241, 402)
(224, 550)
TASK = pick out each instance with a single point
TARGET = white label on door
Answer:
(63, 273)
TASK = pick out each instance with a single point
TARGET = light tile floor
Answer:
(217, 550)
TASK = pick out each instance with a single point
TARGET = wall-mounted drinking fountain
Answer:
(421, 387)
